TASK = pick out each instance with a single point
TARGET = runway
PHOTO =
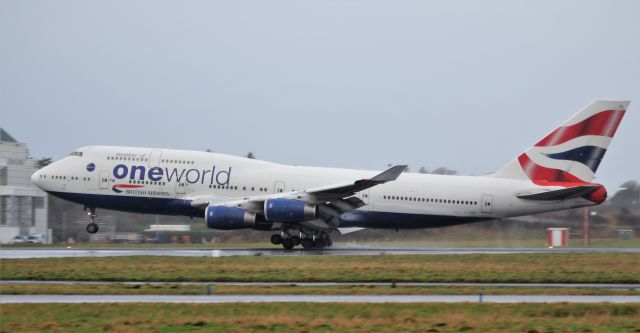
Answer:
(22, 253)
(22, 299)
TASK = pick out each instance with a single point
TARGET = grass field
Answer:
(178, 289)
(327, 317)
(542, 268)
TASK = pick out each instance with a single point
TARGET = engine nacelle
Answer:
(229, 218)
(289, 210)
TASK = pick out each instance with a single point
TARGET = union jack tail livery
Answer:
(571, 154)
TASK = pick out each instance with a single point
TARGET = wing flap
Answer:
(344, 231)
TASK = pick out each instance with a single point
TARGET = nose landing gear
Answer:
(92, 227)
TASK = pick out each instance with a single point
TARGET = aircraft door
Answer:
(154, 158)
(278, 187)
(487, 200)
(104, 180)
(181, 186)
(364, 196)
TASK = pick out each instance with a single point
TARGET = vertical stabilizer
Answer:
(572, 152)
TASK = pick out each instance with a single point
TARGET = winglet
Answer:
(390, 174)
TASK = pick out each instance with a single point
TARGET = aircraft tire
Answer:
(307, 243)
(276, 239)
(288, 243)
(320, 243)
(296, 240)
(92, 228)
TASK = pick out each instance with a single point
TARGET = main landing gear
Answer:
(308, 241)
(92, 227)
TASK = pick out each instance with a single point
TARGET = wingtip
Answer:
(390, 174)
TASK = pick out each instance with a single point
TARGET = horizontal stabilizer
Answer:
(562, 194)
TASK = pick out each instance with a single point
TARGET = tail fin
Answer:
(574, 150)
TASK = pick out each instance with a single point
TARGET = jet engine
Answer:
(232, 218)
(229, 218)
(289, 210)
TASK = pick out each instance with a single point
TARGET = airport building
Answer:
(23, 206)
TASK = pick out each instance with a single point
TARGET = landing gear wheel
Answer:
(320, 243)
(307, 243)
(92, 228)
(276, 239)
(296, 240)
(288, 243)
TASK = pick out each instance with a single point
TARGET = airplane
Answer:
(303, 205)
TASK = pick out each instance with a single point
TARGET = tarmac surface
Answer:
(19, 253)
(9, 299)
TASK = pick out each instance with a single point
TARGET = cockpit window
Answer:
(76, 153)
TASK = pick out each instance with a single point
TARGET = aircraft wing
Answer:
(315, 195)
(332, 200)
(339, 191)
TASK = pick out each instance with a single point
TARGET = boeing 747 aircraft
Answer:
(303, 205)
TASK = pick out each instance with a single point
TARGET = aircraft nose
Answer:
(35, 178)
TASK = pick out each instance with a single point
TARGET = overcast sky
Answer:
(358, 84)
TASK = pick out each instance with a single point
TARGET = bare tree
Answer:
(444, 171)
(43, 162)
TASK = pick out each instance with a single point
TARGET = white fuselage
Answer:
(157, 180)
